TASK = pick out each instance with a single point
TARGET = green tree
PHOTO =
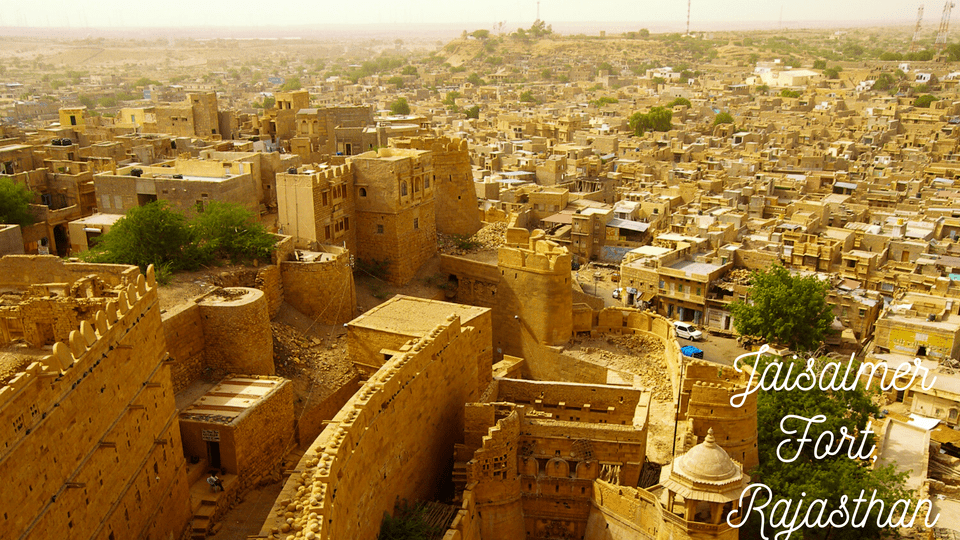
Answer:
(657, 119)
(396, 80)
(473, 112)
(451, 101)
(604, 100)
(884, 82)
(149, 234)
(230, 231)
(291, 84)
(723, 118)
(409, 70)
(831, 73)
(763, 88)
(787, 93)
(546, 74)
(475, 79)
(924, 101)
(400, 106)
(820, 64)
(527, 97)
(481, 34)
(785, 309)
(644, 33)
(679, 101)
(15, 202)
(159, 235)
(808, 477)
(146, 81)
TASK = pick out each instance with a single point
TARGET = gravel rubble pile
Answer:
(489, 237)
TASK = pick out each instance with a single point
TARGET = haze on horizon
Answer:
(562, 14)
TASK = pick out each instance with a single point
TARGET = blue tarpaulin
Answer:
(691, 351)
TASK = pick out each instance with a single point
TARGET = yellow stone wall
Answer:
(89, 442)
(324, 290)
(392, 439)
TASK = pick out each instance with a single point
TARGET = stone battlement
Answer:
(43, 382)
(345, 481)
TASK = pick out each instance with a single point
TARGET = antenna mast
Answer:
(944, 25)
(916, 32)
(688, 17)
(538, 10)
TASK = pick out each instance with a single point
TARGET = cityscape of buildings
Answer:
(481, 257)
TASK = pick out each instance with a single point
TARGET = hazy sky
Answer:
(472, 14)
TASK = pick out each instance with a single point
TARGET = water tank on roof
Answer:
(292, 170)
(136, 172)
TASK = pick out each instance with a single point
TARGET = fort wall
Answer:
(322, 290)
(237, 320)
(90, 442)
(361, 462)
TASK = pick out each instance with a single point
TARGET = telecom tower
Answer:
(944, 25)
(688, 17)
(916, 32)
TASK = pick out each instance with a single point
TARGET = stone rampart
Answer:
(362, 461)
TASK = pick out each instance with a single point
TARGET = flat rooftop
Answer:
(230, 399)
(693, 267)
(414, 317)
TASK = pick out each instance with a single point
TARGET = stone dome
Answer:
(708, 463)
(706, 473)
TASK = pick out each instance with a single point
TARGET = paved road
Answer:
(717, 349)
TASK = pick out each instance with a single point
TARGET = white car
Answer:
(617, 292)
(687, 331)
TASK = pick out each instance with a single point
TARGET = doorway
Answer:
(213, 454)
(61, 240)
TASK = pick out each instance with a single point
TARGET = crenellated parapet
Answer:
(374, 451)
(533, 252)
(45, 381)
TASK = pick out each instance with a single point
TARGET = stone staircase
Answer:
(207, 505)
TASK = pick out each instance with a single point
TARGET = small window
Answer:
(426, 182)
(326, 232)
(403, 189)
(416, 223)
(379, 229)
(363, 192)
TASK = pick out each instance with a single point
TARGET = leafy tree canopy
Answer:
(679, 101)
(657, 119)
(723, 118)
(924, 101)
(159, 235)
(291, 84)
(785, 309)
(885, 81)
(787, 93)
(473, 112)
(400, 106)
(807, 477)
(15, 202)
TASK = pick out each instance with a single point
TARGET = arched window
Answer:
(363, 192)
(403, 189)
